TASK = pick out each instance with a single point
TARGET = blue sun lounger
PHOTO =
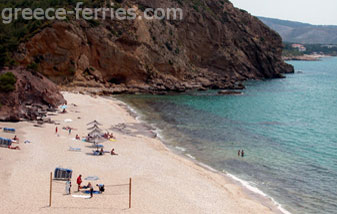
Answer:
(94, 192)
(62, 174)
(4, 142)
(74, 149)
(9, 130)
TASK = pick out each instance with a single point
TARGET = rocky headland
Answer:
(30, 96)
(215, 46)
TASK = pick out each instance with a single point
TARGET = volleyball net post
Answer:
(50, 189)
(130, 192)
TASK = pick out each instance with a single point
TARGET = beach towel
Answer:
(92, 178)
(74, 149)
(94, 192)
(81, 196)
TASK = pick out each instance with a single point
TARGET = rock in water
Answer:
(229, 92)
(31, 97)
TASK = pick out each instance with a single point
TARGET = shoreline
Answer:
(181, 152)
(163, 179)
(312, 57)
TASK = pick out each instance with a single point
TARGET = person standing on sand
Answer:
(56, 130)
(91, 189)
(69, 131)
(239, 153)
(68, 187)
(79, 182)
(242, 153)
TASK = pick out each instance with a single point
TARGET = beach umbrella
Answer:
(95, 127)
(96, 134)
(64, 106)
(97, 139)
(95, 122)
(92, 178)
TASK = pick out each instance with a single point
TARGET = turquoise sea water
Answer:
(287, 127)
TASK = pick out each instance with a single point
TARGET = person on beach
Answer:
(69, 131)
(16, 138)
(239, 153)
(101, 152)
(91, 189)
(78, 137)
(14, 147)
(242, 153)
(56, 130)
(79, 182)
(113, 152)
(101, 187)
(68, 187)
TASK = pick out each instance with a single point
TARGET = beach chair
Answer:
(96, 153)
(10, 130)
(74, 149)
(62, 174)
(4, 142)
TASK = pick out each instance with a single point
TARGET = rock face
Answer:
(215, 46)
(33, 96)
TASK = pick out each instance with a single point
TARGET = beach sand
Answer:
(162, 182)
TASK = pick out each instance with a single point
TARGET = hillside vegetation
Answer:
(11, 35)
(303, 33)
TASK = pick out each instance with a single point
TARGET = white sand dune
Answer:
(163, 182)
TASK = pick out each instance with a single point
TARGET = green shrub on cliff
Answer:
(7, 82)
(18, 31)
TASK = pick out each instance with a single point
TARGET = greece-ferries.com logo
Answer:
(9, 15)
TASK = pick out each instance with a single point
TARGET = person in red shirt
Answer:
(56, 130)
(79, 182)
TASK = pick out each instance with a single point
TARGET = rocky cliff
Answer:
(215, 46)
(31, 96)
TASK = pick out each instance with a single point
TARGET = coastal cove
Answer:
(168, 107)
(163, 182)
(286, 127)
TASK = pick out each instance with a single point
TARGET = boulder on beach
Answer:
(26, 95)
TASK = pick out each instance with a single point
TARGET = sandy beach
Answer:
(163, 182)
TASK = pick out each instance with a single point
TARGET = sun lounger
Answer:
(96, 153)
(10, 130)
(4, 142)
(62, 174)
(74, 149)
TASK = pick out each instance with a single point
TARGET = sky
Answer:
(318, 12)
